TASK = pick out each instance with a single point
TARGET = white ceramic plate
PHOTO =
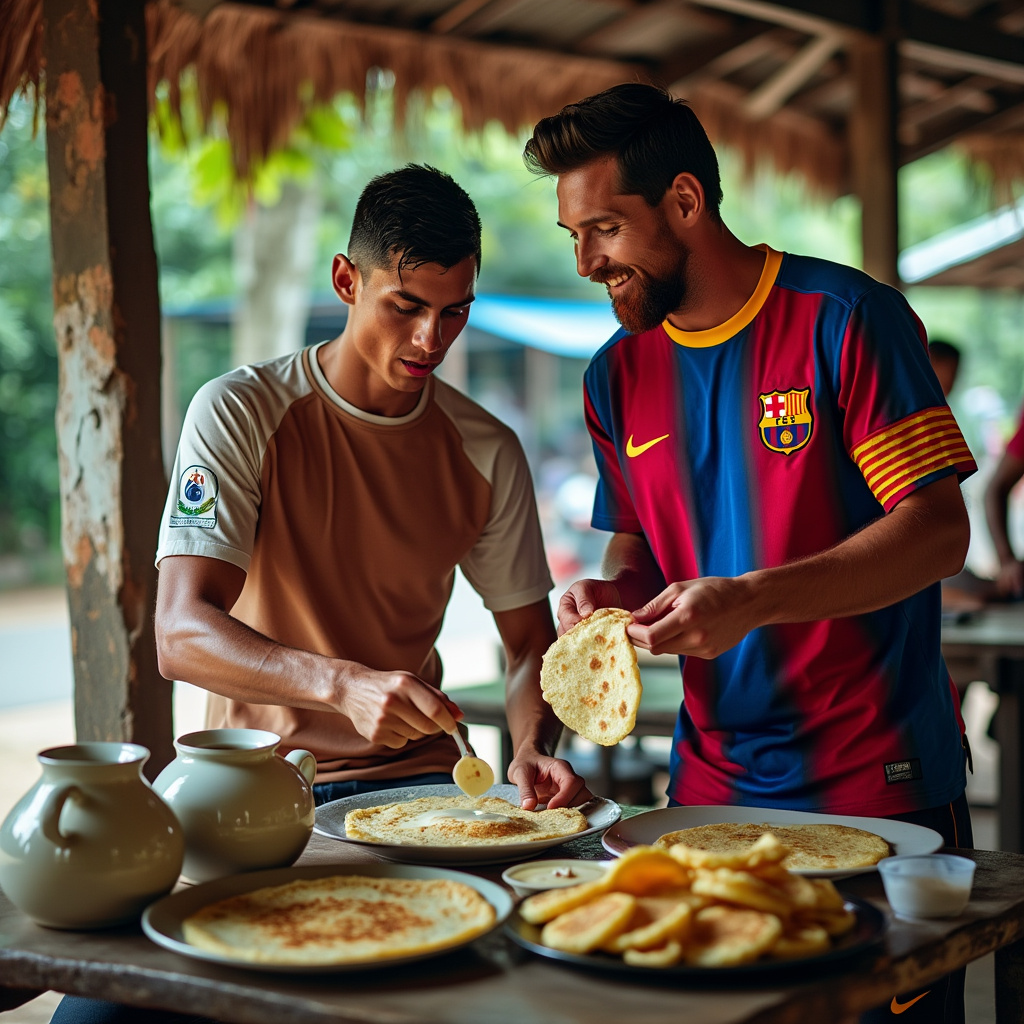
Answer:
(645, 828)
(330, 822)
(162, 921)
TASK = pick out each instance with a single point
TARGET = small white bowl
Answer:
(930, 885)
(537, 875)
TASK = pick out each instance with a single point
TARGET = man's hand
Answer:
(546, 780)
(584, 598)
(392, 708)
(702, 617)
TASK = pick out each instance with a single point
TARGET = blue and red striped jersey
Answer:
(810, 413)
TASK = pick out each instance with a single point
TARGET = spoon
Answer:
(473, 776)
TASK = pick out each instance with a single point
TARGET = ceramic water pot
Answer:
(90, 844)
(241, 804)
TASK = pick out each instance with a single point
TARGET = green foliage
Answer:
(29, 510)
(197, 200)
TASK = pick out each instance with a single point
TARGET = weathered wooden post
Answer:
(107, 322)
(874, 155)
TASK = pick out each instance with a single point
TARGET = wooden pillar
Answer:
(874, 156)
(107, 323)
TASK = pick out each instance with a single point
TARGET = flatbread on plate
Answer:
(341, 919)
(815, 847)
(460, 821)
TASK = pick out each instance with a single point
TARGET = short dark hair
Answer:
(652, 136)
(939, 349)
(417, 214)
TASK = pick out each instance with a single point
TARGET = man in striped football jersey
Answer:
(779, 471)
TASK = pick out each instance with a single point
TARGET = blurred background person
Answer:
(1010, 468)
(945, 360)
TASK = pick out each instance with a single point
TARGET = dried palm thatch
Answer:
(265, 67)
(21, 49)
(789, 141)
(1002, 156)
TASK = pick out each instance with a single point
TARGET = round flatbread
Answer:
(813, 847)
(341, 919)
(590, 677)
(460, 821)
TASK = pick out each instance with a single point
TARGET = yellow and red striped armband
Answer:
(894, 460)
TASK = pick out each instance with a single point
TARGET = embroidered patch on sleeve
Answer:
(893, 460)
(197, 499)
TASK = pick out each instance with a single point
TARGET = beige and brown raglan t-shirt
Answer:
(349, 527)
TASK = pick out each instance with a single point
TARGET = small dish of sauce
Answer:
(538, 875)
(934, 885)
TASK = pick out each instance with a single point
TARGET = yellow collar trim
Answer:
(740, 319)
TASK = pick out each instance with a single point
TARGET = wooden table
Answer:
(990, 646)
(493, 981)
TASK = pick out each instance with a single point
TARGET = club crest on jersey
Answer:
(786, 420)
(197, 499)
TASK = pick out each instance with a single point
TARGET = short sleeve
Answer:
(214, 495)
(897, 426)
(507, 565)
(613, 504)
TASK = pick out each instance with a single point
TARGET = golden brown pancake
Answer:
(339, 919)
(590, 677)
(813, 847)
(460, 821)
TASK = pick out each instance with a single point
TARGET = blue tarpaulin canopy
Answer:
(564, 327)
(559, 326)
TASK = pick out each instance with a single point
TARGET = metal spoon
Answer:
(473, 776)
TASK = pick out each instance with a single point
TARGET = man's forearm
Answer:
(896, 556)
(212, 649)
(630, 565)
(531, 721)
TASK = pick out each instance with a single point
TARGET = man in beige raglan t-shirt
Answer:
(320, 503)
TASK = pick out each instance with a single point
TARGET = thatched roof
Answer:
(767, 78)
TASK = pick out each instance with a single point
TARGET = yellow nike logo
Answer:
(900, 1007)
(633, 450)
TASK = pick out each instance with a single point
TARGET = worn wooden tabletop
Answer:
(493, 981)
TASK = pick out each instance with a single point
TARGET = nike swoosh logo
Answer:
(901, 1007)
(633, 450)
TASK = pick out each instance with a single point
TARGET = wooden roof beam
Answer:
(458, 14)
(970, 94)
(966, 44)
(609, 33)
(691, 67)
(772, 95)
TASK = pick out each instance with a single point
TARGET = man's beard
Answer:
(647, 301)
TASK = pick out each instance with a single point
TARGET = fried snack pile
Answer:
(658, 908)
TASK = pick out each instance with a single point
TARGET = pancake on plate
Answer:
(818, 847)
(460, 821)
(341, 919)
(590, 677)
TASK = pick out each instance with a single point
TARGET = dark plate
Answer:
(868, 930)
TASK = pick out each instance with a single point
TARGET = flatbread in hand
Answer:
(591, 680)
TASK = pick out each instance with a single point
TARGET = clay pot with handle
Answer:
(91, 843)
(241, 804)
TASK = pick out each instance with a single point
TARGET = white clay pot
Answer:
(242, 806)
(90, 844)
